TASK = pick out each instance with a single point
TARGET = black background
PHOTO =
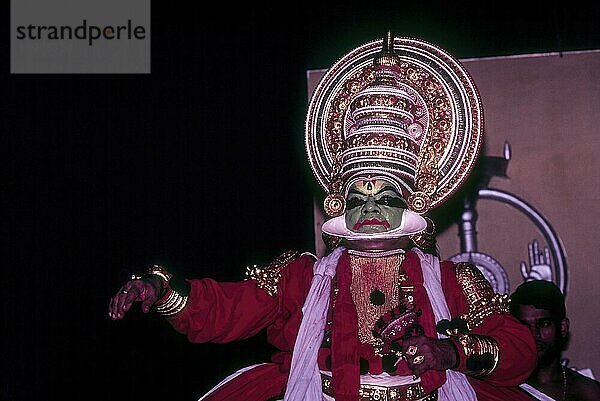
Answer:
(199, 166)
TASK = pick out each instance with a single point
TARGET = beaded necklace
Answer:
(375, 290)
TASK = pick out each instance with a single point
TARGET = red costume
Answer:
(223, 312)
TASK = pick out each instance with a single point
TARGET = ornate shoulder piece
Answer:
(480, 294)
(268, 277)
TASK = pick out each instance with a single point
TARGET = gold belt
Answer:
(370, 392)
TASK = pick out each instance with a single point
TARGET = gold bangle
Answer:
(173, 305)
(482, 352)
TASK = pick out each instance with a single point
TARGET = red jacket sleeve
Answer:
(223, 312)
(517, 354)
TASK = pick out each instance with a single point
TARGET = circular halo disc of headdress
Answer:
(454, 122)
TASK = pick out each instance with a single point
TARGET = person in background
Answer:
(540, 305)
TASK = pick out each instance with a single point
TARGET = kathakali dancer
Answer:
(393, 130)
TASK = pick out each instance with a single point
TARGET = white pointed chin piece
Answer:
(412, 223)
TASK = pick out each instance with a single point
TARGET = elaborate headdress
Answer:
(399, 109)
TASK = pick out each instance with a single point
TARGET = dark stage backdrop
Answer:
(199, 166)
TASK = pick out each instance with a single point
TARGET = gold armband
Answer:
(482, 354)
(267, 278)
(480, 295)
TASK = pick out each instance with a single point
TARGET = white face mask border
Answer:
(412, 223)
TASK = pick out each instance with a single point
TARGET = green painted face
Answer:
(373, 207)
